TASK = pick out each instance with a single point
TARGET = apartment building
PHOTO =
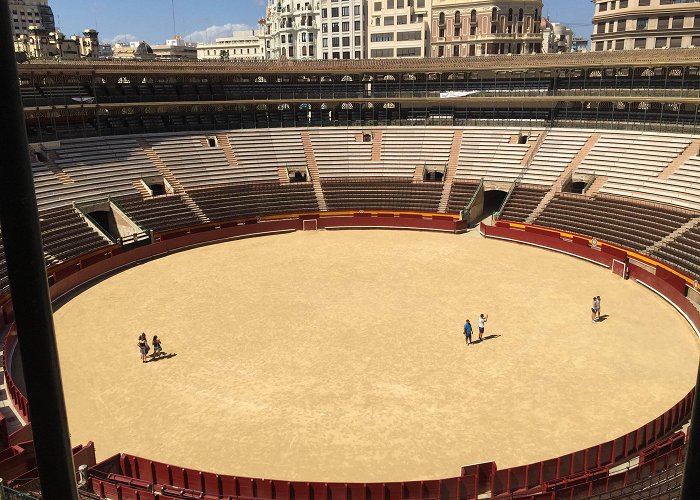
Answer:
(343, 29)
(398, 28)
(26, 13)
(480, 27)
(290, 29)
(242, 46)
(645, 24)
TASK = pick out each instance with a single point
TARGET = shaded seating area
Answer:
(249, 200)
(683, 252)
(377, 193)
(523, 200)
(159, 213)
(461, 193)
(623, 222)
(66, 235)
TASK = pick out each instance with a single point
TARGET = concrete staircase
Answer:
(225, 145)
(377, 145)
(563, 177)
(141, 188)
(598, 183)
(688, 153)
(172, 180)
(692, 223)
(418, 173)
(534, 148)
(283, 175)
(451, 172)
(50, 163)
(312, 166)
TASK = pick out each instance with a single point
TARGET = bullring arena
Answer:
(346, 348)
(308, 238)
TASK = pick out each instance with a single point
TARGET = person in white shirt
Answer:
(482, 320)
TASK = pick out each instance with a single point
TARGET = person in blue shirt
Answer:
(468, 332)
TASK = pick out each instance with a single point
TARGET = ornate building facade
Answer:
(482, 27)
(290, 29)
(645, 24)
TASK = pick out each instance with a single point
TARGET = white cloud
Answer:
(216, 31)
(124, 38)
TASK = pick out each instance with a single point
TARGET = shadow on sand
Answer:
(488, 337)
(161, 357)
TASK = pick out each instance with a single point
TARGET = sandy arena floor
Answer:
(339, 356)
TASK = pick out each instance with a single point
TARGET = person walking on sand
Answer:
(597, 301)
(468, 332)
(482, 325)
(143, 347)
(157, 348)
(594, 309)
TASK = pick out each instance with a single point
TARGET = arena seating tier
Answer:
(159, 213)
(66, 235)
(90, 170)
(378, 193)
(491, 154)
(614, 220)
(461, 193)
(556, 152)
(523, 200)
(249, 200)
(683, 252)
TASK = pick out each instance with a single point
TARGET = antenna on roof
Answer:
(172, 3)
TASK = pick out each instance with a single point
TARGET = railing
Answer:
(498, 213)
(7, 493)
(466, 213)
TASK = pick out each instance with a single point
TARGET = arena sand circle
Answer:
(339, 356)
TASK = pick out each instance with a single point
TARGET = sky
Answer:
(205, 20)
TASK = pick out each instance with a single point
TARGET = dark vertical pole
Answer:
(25, 268)
(691, 474)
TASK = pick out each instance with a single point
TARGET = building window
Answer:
(346, 12)
(640, 43)
(408, 52)
(382, 53)
(642, 23)
(455, 51)
(389, 21)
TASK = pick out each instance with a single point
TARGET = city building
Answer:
(482, 27)
(105, 51)
(39, 43)
(26, 13)
(398, 28)
(242, 46)
(343, 29)
(175, 49)
(556, 37)
(133, 50)
(290, 29)
(645, 24)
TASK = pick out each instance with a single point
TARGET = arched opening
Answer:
(493, 200)
(441, 18)
(472, 16)
(458, 17)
